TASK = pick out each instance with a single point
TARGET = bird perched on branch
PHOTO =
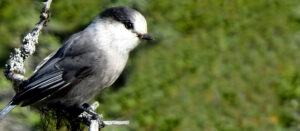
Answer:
(88, 62)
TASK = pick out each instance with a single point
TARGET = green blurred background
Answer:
(215, 64)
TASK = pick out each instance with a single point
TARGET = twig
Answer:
(107, 123)
(15, 68)
(95, 125)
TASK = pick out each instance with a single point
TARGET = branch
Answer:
(15, 68)
(94, 124)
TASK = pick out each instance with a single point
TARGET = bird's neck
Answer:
(113, 35)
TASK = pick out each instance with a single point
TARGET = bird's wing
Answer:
(71, 63)
(44, 61)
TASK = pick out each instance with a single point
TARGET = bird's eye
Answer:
(128, 25)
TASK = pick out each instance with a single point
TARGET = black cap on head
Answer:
(119, 13)
(128, 17)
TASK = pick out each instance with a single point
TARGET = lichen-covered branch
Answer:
(15, 68)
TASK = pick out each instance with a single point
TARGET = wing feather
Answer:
(39, 88)
(42, 80)
(68, 66)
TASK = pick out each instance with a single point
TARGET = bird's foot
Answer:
(87, 106)
(98, 118)
(89, 114)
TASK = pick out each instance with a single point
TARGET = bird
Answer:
(87, 62)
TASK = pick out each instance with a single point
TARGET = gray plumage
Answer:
(88, 62)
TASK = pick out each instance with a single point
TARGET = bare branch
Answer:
(95, 124)
(107, 123)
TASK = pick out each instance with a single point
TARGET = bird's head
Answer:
(123, 26)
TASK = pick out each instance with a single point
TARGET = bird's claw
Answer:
(87, 106)
(99, 120)
(92, 115)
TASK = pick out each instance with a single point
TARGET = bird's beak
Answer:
(146, 37)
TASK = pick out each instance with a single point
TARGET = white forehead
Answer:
(139, 22)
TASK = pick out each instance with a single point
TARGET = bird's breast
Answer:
(115, 64)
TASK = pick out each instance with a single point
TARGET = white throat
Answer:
(110, 34)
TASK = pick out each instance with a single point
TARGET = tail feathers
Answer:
(6, 109)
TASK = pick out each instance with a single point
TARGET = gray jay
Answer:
(88, 62)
